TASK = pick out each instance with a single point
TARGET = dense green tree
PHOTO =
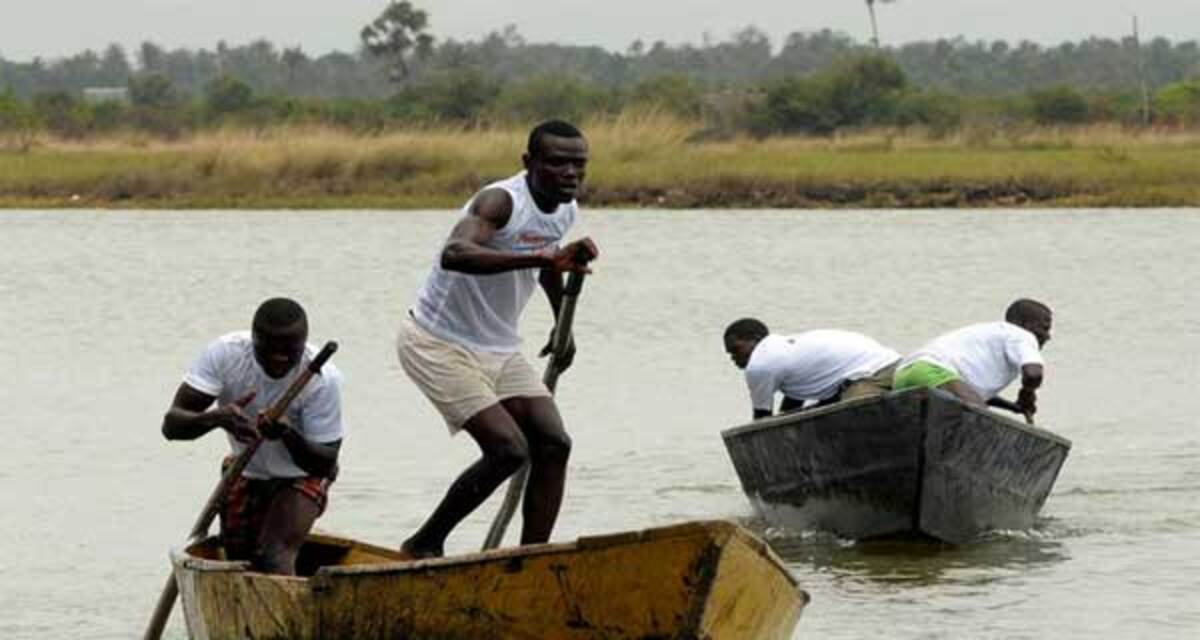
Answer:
(673, 92)
(940, 112)
(796, 105)
(1179, 103)
(228, 94)
(547, 97)
(18, 122)
(63, 113)
(151, 57)
(152, 90)
(398, 36)
(294, 61)
(862, 91)
(1058, 105)
(114, 68)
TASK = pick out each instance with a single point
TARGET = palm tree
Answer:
(874, 24)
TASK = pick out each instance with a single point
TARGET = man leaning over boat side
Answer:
(460, 345)
(284, 489)
(977, 362)
(818, 367)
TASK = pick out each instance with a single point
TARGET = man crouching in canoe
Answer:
(270, 509)
(818, 367)
(460, 346)
(976, 362)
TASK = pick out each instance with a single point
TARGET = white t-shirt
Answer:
(988, 356)
(227, 369)
(811, 365)
(480, 312)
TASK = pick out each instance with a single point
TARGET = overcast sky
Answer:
(53, 28)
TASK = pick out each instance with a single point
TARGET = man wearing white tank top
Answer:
(460, 344)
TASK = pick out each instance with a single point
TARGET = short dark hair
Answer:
(278, 313)
(1025, 310)
(746, 329)
(560, 128)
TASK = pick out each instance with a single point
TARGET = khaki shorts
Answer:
(459, 381)
(876, 384)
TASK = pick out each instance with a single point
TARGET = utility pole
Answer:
(1141, 69)
(874, 25)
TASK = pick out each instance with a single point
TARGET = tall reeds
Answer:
(638, 158)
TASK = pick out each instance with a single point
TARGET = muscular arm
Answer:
(317, 459)
(1031, 376)
(1031, 379)
(465, 251)
(188, 417)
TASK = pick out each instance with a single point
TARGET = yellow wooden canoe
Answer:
(699, 580)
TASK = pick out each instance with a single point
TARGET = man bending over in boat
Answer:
(817, 367)
(271, 508)
(459, 342)
(976, 362)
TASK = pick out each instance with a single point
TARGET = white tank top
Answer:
(480, 312)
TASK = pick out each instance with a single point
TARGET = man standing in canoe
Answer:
(459, 343)
(270, 509)
(976, 362)
(818, 367)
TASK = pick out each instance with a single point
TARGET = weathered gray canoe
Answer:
(915, 461)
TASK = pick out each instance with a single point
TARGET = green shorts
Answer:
(922, 374)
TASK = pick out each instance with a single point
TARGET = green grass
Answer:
(637, 160)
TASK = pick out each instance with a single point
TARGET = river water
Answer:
(101, 313)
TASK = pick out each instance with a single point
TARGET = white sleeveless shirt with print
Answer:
(480, 312)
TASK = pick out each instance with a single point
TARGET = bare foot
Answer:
(413, 552)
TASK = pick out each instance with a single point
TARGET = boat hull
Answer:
(709, 580)
(912, 462)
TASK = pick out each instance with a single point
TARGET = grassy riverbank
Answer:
(637, 161)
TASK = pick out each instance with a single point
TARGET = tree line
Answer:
(814, 82)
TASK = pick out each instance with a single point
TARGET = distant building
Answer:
(96, 95)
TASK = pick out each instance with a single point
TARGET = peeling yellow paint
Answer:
(705, 580)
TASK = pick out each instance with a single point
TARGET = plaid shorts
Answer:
(245, 508)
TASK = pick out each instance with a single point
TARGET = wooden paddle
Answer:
(558, 348)
(166, 601)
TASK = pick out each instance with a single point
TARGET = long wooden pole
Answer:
(558, 348)
(874, 25)
(166, 600)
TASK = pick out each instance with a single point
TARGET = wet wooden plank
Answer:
(851, 469)
(984, 471)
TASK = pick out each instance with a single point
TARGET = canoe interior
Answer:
(912, 462)
(319, 550)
